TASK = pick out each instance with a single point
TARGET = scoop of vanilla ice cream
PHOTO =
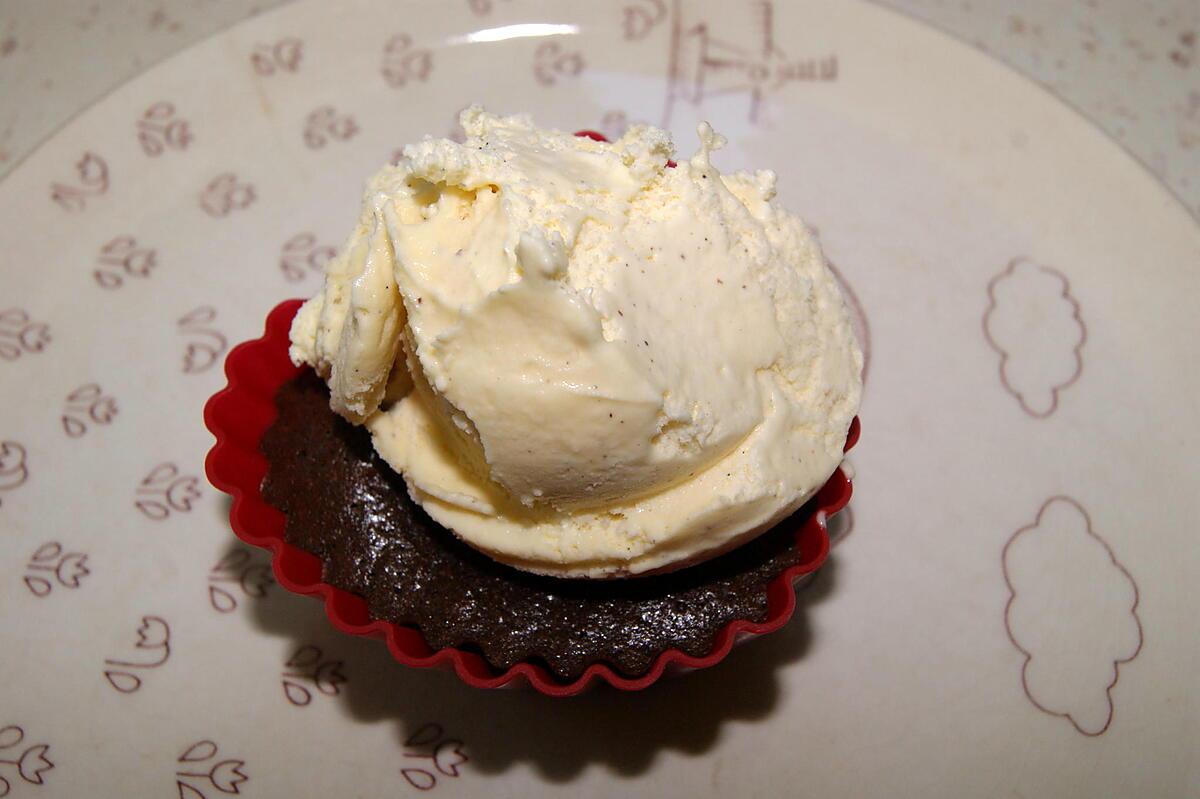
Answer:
(582, 361)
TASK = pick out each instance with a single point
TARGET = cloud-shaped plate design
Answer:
(1072, 612)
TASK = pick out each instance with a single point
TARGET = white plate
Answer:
(965, 639)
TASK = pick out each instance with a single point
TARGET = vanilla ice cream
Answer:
(585, 362)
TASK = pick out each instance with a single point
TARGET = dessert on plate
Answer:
(565, 400)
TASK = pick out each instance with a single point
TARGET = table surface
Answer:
(1132, 68)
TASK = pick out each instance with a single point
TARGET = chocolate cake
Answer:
(348, 507)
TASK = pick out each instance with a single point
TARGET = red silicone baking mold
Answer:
(239, 414)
